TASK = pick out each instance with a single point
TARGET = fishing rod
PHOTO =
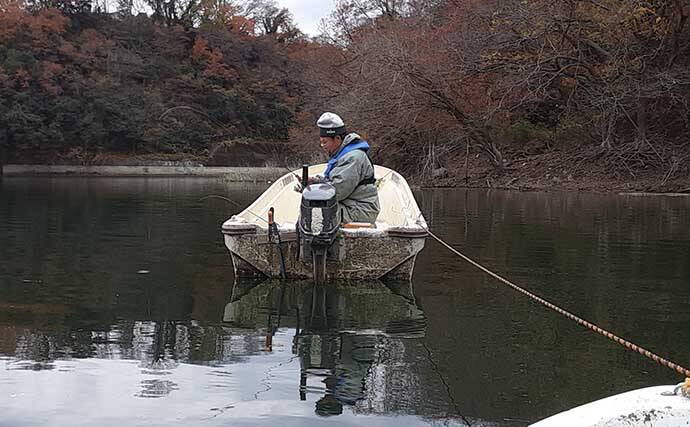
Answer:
(215, 196)
(273, 230)
(274, 236)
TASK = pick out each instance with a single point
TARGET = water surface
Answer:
(118, 306)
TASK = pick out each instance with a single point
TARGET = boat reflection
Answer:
(320, 348)
(339, 330)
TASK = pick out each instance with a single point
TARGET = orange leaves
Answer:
(22, 78)
(51, 69)
(200, 49)
(49, 72)
(16, 21)
(226, 15)
(91, 41)
(12, 17)
(241, 25)
(212, 59)
(48, 21)
(23, 30)
(217, 69)
(46, 74)
(66, 48)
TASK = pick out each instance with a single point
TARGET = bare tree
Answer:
(428, 78)
(175, 12)
(351, 15)
(271, 19)
(411, 83)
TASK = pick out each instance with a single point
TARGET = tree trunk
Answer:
(467, 160)
(641, 122)
(489, 147)
(608, 132)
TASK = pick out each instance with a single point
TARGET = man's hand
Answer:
(298, 187)
(311, 180)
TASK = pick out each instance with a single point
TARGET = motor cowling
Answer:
(318, 221)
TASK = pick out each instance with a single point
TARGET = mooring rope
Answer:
(627, 344)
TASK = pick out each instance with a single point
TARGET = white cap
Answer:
(330, 124)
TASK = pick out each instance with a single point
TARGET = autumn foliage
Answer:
(428, 81)
(97, 82)
(506, 79)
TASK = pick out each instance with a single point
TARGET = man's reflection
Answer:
(342, 358)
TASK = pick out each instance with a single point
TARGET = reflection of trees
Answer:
(343, 337)
(72, 247)
(38, 349)
(622, 262)
(574, 239)
(618, 261)
(153, 342)
(78, 243)
(159, 346)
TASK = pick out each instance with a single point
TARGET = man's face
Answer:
(330, 143)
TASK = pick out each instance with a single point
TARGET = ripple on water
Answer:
(154, 388)
(456, 343)
(29, 365)
(221, 379)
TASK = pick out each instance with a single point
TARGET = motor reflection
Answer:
(340, 330)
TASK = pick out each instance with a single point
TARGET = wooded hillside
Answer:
(84, 82)
(433, 83)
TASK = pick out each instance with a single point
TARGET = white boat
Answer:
(385, 251)
(660, 406)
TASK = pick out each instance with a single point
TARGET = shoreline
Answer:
(256, 174)
(231, 173)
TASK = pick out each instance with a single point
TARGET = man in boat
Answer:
(349, 170)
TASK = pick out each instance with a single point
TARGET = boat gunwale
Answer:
(364, 232)
(414, 224)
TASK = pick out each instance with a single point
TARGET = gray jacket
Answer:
(356, 203)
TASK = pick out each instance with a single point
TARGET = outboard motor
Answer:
(318, 225)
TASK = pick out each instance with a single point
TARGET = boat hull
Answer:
(366, 256)
(384, 250)
(642, 407)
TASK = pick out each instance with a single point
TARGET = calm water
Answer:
(118, 307)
